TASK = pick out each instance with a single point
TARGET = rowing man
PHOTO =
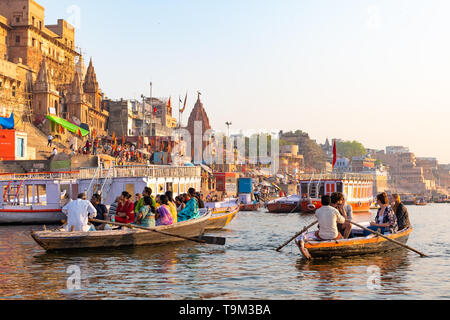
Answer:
(78, 213)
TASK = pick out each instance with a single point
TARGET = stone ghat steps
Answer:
(38, 140)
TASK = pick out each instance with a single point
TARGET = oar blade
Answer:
(213, 240)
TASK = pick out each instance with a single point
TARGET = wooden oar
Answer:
(387, 238)
(297, 235)
(202, 239)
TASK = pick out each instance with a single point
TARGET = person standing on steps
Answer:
(50, 140)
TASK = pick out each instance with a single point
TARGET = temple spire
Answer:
(90, 81)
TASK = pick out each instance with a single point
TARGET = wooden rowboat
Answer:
(221, 218)
(127, 237)
(349, 247)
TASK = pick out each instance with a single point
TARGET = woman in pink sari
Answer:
(163, 215)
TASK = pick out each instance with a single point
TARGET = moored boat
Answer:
(58, 240)
(35, 198)
(221, 218)
(289, 204)
(249, 206)
(310, 247)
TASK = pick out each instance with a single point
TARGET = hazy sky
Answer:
(373, 71)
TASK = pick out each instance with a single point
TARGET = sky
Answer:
(375, 71)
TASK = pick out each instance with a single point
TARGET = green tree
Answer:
(351, 149)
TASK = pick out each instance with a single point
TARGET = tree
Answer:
(349, 149)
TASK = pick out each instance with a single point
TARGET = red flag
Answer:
(79, 133)
(123, 139)
(169, 104)
(154, 111)
(334, 154)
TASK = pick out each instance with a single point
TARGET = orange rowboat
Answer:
(311, 248)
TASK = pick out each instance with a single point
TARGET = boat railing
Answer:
(338, 176)
(142, 171)
(39, 176)
(101, 173)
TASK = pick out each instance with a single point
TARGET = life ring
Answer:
(311, 207)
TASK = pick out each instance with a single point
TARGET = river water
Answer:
(246, 268)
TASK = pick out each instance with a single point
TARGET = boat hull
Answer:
(351, 247)
(30, 217)
(52, 241)
(278, 207)
(220, 219)
(250, 207)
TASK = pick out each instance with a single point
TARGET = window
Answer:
(33, 42)
(13, 91)
(40, 24)
(17, 19)
(17, 39)
(33, 21)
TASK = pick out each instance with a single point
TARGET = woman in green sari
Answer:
(146, 216)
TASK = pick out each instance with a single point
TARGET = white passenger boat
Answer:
(35, 198)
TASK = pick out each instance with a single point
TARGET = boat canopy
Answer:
(68, 125)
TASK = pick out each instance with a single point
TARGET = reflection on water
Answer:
(246, 268)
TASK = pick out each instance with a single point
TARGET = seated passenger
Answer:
(401, 212)
(163, 215)
(172, 206)
(386, 220)
(125, 209)
(329, 218)
(191, 211)
(146, 215)
(338, 202)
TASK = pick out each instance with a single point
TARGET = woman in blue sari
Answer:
(191, 211)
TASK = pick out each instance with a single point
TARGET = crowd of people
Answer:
(145, 211)
(335, 217)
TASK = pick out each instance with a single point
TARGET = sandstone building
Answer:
(38, 70)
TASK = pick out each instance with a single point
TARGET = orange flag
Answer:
(94, 133)
(114, 136)
(169, 104)
(123, 140)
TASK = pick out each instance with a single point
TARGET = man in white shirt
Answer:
(78, 213)
(50, 140)
(328, 218)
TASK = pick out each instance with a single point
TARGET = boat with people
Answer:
(35, 198)
(311, 247)
(357, 189)
(63, 240)
(421, 202)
